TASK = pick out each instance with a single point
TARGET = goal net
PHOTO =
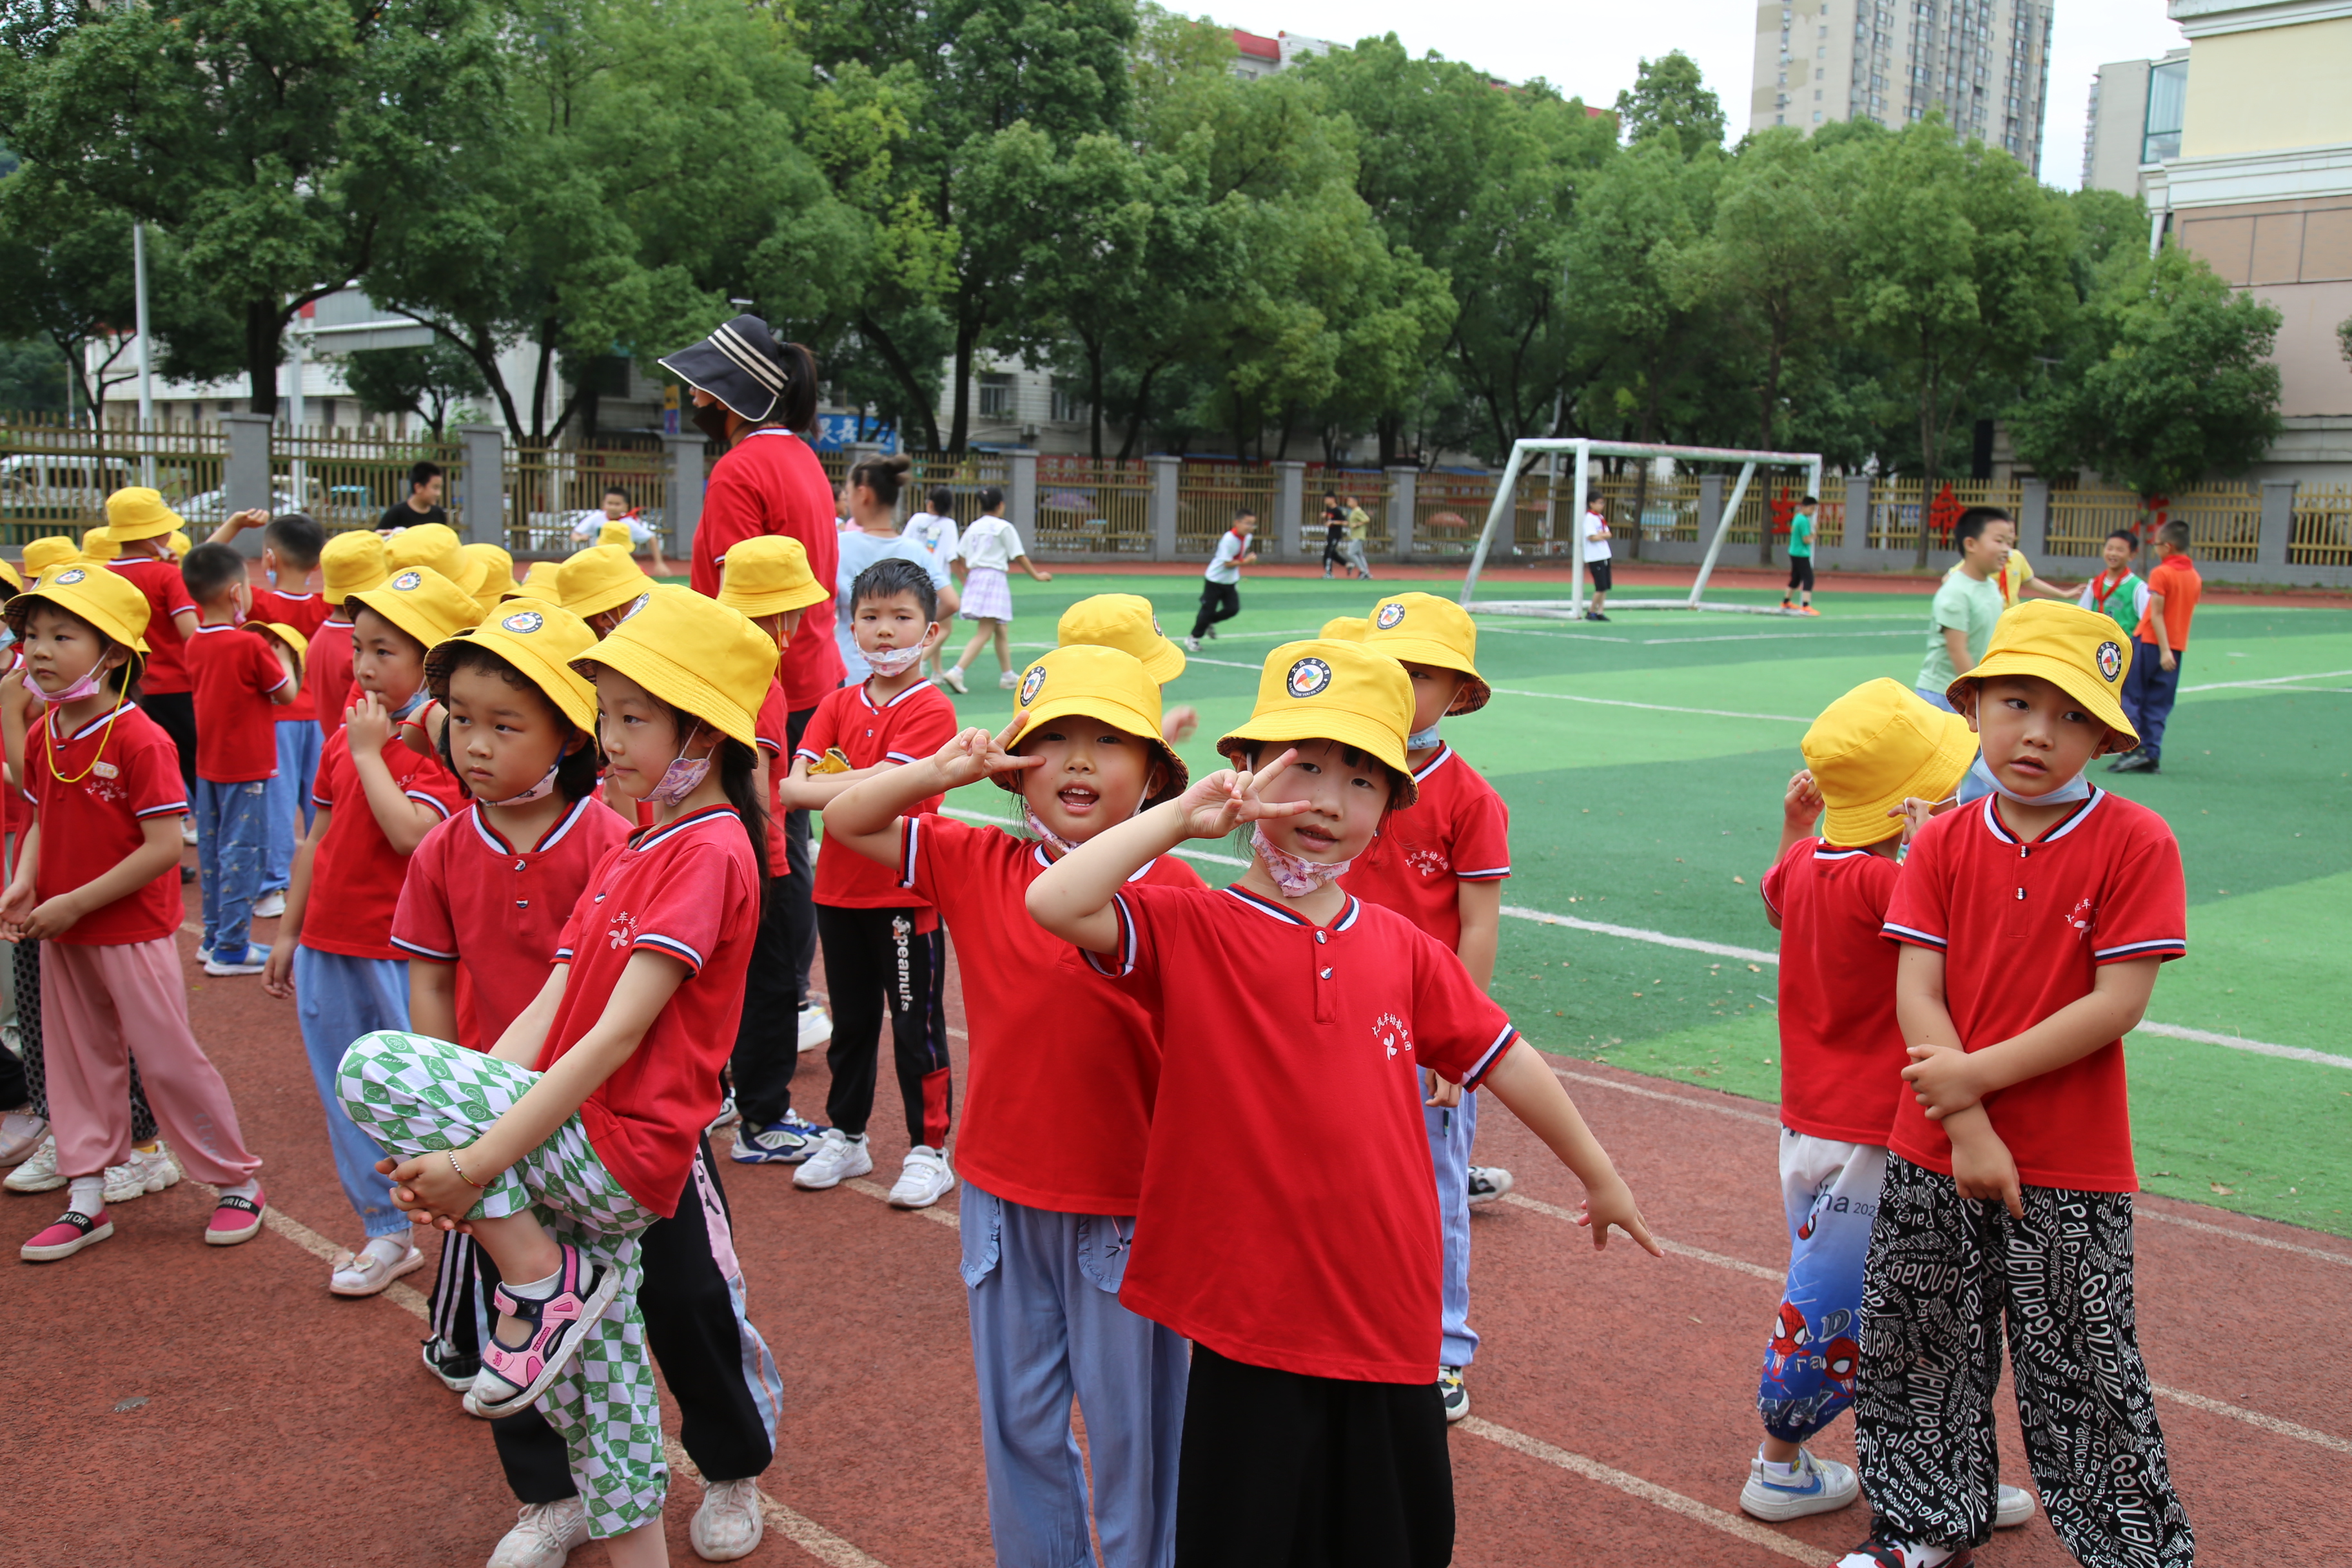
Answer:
(1526, 453)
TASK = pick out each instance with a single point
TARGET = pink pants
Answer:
(95, 1000)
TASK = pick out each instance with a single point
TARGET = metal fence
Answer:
(1450, 509)
(2225, 521)
(54, 477)
(554, 496)
(2322, 530)
(1897, 507)
(1210, 495)
(966, 476)
(348, 479)
(1088, 508)
(1370, 488)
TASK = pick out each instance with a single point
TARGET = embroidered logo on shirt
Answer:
(1307, 677)
(1391, 615)
(1428, 862)
(2111, 661)
(522, 623)
(2081, 919)
(622, 931)
(1032, 683)
(1393, 1035)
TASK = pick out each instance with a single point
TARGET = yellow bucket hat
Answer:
(615, 531)
(767, 577)
(295, 643)
(1127, 623)
(8, 576)
(1106, 684)
(1333, 691)
(1346, 628)
(599, 578)
(139, 513)
(432, 544)
(497, 573)
(98, 545)
(84, 588)
(541, 638)
(2080, 652)
(538, 583)
(352, 563)
(693, 653)
(180, 541)
(48, 552)
(421, 603)
(1877, 745)
(1422, 628)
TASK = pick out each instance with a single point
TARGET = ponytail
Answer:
(736, 763)
(883, 476)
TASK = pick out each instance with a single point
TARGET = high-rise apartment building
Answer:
(1985, 63)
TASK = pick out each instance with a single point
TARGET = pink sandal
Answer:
(514, 1377)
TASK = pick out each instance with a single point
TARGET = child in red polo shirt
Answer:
(376, 798)
(883, 949)
(2154, 683)
(579, 1130)
(96, 885)
(348, 563)
(1314, 1305)
(241, 677)
(1065, 1067)
(141, 526)
(289, 558)
(2032, 926)
(1439, 862)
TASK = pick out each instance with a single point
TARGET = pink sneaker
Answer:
(235, 1220)
(66, 1235)
(514, 1377)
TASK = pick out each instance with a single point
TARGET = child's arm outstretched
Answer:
(1947, 1078)
(1524, 1082)
(367, 729)
(1072, 900)
(803, 791)
(1031, 567)
(869, 816)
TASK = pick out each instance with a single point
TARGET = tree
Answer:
(284, 147)
(2168, 378)
(32, 377)
(427, 381)
(1668, 99)
(1958, 273)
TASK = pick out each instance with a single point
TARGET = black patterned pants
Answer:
(26, 1082)
(1946, 1274)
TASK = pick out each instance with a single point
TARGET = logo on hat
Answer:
(524, 621)
(1390, 615)
(70, 575)
(1307, 677)
(1031, 682)
(408, 581)
(2111, 660)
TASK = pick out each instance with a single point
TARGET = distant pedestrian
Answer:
(1359, 530)
(1221, 589)
(1800, 558)
(1597, 552)
(423, 502)
(2153, 681)
(1334, 535)
(989, 549)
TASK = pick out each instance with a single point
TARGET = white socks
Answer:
(537, 1289)
(87, 1196)
(248, 1188)
(386, 1249)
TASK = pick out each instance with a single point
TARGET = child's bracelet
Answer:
(469, 1181)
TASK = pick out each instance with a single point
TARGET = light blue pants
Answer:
(1451, 1130)
(1935, 699)
(337, 1000)
(1047, 1324)
(290, 805)
(232, 827)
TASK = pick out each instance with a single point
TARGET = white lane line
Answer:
(2254, 1418)
(1678, 1249)
(798, 1529)
(1650, 707)
(1775, 636)
(1635, 933)
(2272, 681)
(936, 1215)
(1648, 1491)
(1684, 1100)
(2240, 1043)
(2342, 1258)
(278, 1222)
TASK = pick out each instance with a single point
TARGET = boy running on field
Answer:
(1221, 587)
(2032, 925)
(2154, 682)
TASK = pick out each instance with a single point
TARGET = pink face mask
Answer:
(88, 686)
(1297, 877)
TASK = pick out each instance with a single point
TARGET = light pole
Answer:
(146, 355)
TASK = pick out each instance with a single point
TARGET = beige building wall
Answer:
(2261, 90)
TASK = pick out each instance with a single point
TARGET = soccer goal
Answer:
(1524, 451)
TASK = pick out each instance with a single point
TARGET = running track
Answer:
(216, 1407)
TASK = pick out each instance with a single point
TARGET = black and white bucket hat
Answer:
(740, 364)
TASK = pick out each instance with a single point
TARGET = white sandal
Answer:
(365, 1273)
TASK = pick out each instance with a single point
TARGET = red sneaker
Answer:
(66, 1235)
(235, 1220)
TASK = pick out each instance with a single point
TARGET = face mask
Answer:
(415, 700)
(88, 686)
(540, 791)
(1422, 740)
(1296, 878)
(1037, 825)
(682, 777)
(889, 663)
(1978, 783)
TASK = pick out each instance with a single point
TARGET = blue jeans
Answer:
(2150, 691)
(1046, 1323)
(1451, 1130)
(1935, 699)
(230, 832)
(338, 1000)
(289, 807)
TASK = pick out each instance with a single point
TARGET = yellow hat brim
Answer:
(9, 575)
(1164, 661)
(612, 598)
(2064, 674)
(1124, 717)
(112, 629)
(1474, 691)
(125, 533)
(775, 602)
(295, 643)
(678, 686)
(575, 695)
(1305, 723)
(400, 609)
(1852, 826)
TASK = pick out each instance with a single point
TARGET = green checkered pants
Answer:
(414, 1095)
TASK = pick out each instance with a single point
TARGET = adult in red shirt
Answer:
(138, 520)
(756, 395)
(2153, 682)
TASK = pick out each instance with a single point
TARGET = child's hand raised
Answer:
(367, 728)
(1942, 1080)
(1221, 802)
(975, 754)
(1803, 802)
(1611, 1203)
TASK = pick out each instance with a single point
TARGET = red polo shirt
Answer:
(355, 877)
(167, 594)
(17, 814)
(498, 912)
(770, 482)
(771, 732)
(93, 791)
(912, 725)
(688, 891)
(1458, 831)
(2024, 925)
(306, 612)
(327, 672)
(1842, 1052)
(234, 672)
(1065, 1063)
(1281, 1034)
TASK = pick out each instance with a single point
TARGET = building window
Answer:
(995, 395)
(1068, 408)
(2168, 105)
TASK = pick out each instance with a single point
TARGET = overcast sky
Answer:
(1592, 49)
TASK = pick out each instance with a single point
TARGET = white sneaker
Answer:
(187, 830)
(146, 1172)
(1488, 1183)
(816, 1026)
(21, 1132)
(269, 906)
(1007, 681)
(254, 961)
(544, 1536)
(953, 676)
(1191, 644)
(727, 1115)
(1454, 1392)
(838, 1157)
(38, 1174)
(728, 1525)
(2015, 1508)
(923, 1181)
(1817, 1486)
